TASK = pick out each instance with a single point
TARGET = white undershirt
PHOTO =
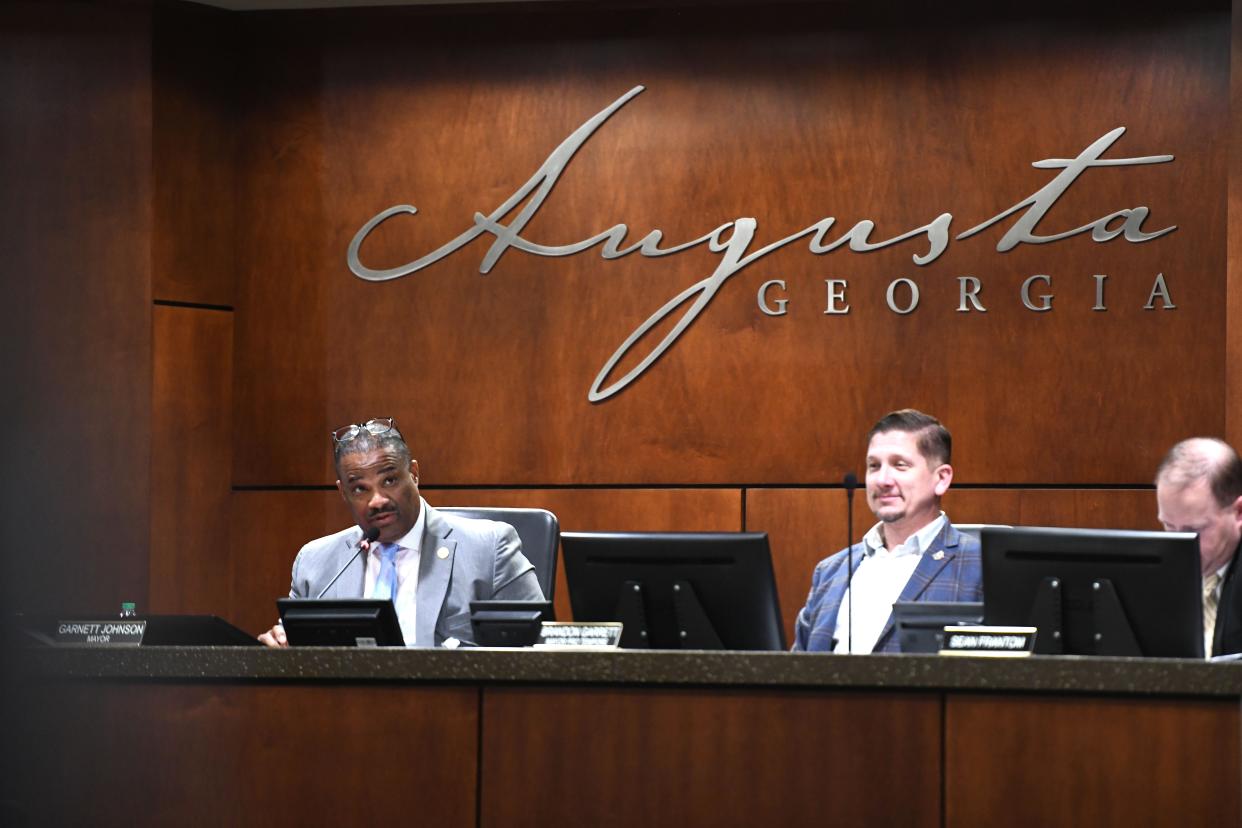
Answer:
(404, 597)
(880, 577)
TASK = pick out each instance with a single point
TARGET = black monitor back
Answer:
(659, 578)
(1079, 582)
(342, 622)
(194, 630)
(920, 624)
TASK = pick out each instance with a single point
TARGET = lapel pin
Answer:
(939, 556)
(442, 552)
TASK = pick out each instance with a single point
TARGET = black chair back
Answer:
(538, 529)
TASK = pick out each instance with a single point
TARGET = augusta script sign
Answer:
(734, 242)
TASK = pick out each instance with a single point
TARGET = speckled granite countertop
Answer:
(1062, 674)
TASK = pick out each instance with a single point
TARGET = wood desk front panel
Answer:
(134, 754)
(562, 750)
(1036, 760)
(629, 757)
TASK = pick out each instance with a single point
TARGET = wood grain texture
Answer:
(1090, 508)
(175, 754)
(270, 527)
(1233, 328)
(75, 227)
(282, 350)
(195, 146)
(811, 112)
(804, 526)
(675, 758)
(1019, 760)
(807, 525)
(191, 460)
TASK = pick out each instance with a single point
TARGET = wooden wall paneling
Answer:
(191, 460)
(194, 57)
(75, 162)
(810, 114)
(807, 525)
(1099, 762)
(1091, 508)
(177, 754)
(1233, 328)
(718, 757)
(804, 526)
(281, 366)
(612, 510)
(269, 528)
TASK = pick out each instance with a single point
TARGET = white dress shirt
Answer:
(879, 578)
(405, 596)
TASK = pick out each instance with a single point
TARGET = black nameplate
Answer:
(593, 634)
(988, 641)
(116, 633)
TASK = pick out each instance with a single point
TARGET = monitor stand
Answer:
(1113, 635)
(694, 630)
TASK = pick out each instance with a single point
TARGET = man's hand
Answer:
(275, 637)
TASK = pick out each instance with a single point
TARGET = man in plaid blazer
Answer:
(912, 554)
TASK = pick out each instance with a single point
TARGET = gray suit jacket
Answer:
(484, 561)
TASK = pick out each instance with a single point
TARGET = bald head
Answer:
(1199, 489)
(1203, 460)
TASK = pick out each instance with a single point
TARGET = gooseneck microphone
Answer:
(851, 483)
(365, 541)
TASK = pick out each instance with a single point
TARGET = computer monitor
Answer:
(680, 590)
(1096, 591)
(355, 622)
(920, 624)
(194, 631)
(508, 623)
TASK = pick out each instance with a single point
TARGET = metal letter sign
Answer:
(732, 240)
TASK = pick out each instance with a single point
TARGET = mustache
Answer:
(374, 513)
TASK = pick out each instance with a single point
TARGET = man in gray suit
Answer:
(431, 565)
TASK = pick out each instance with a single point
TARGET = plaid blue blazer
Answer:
(957, 576)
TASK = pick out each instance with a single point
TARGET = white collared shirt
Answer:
(880, 577)
(405, 596)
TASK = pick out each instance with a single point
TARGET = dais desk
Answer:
(215, 736)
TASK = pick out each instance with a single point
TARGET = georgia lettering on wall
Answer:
(732, 241)
(773, 302)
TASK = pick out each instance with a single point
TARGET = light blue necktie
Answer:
(386, 581)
